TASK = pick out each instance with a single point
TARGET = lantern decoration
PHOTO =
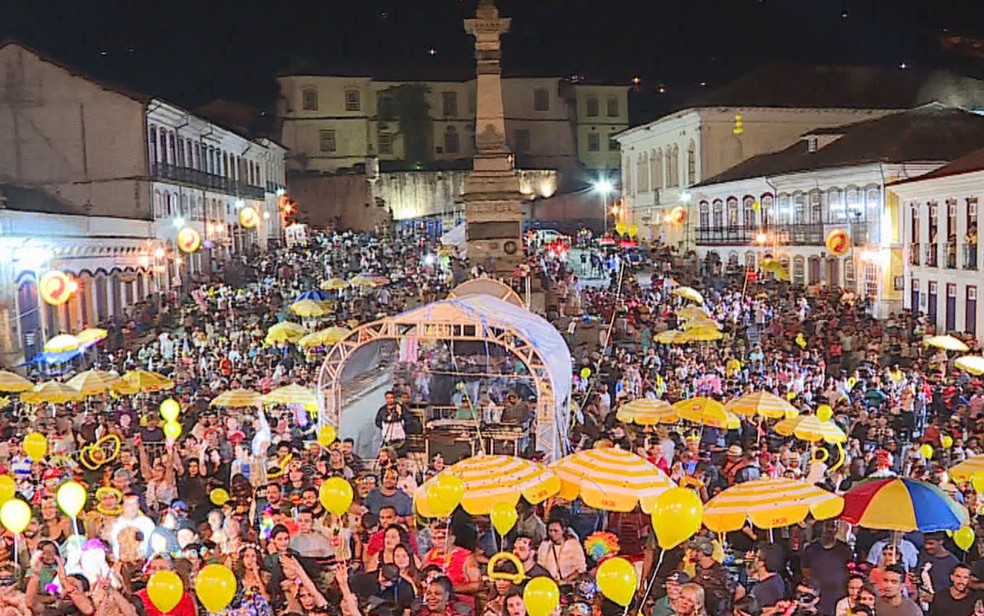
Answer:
(739, 127)
(249, 217)
(838, 242)
(56, 287)
(678, 215)
(189, 240)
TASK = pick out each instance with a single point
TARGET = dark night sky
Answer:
(193, 51)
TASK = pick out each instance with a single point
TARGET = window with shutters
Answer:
(309, 99)
(594, 142)
(592, 107)
(352, 100)
(327, 140)
(541, 99)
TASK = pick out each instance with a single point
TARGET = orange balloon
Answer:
(55, 287)
(838, 242)
(189, 240)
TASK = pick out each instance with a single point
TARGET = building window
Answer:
(951, 307)
(799, 270)
(656, 160)
(835, 205)
(704, 215)
(732, 212)
(198, 156)
(691, 164)
(449, 102)
(352, 100)
(717, 214)
(612, 145)
(766, 209)
(594, 142)
(153, 146)
(816, 206)
(970, 312)
(327, 140)
(541, 99)
(748, 211)
(309, 99)
(799, 208)
(521, 139)
(611, 106)
(592, 104)
(385, 143)
(451, 144)
(642, 172)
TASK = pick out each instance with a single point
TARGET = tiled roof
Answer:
(965, 164)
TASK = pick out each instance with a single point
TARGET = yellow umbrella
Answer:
(673, 336)
(705, 334)
(611, 479)
(689, 293)
(147, 382)
(52, 392)
(91, 335)
(809, 428)
(704, 411)
(364, 281)
(332, 335)
(647, 412)
(947, 343)
(693, 312)
(973, 364)
(284, 331)
(292, 394)
(11, 382)
(968, 468)
(769, 502)
(334, 284)
(491, 479)
(125, 388)
(701, 323)
(62, 343)
(308, 308)
(776, 267)
(762, 403)
(237, 398)
(310, 340)
(93, 382)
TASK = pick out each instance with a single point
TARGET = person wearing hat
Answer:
(669, 604)
(734, 463)
(712, 576)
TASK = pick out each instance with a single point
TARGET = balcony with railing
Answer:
(932, 254)
(729, 235)
(808, 234)
(204, 179)
(799, 234)
(951, 255)
(914, 254)
(970, 256)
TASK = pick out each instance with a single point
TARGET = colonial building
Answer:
(785, 204)
(940, 231)
(100, 154)
(333, 123)
(755, 115)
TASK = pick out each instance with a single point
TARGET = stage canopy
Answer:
(529, 337)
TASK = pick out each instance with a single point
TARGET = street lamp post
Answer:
(604, 187)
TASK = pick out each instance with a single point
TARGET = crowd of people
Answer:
(240, 486)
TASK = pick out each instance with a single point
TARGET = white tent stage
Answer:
(483, 318)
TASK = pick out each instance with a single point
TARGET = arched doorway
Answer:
(29, 308)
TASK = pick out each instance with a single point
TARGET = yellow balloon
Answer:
(947, 441)
(7, 488)
(964, 537)
(617, 580)
(326, 435)
(677, 515)
(215, 586)
(585, 373)
(35, 445)
(541, 596)
(977, 480)
(633, 230)
(164, 589)
(170, 409)
(927, 451)
(444, 494)
(336, 495)
(851, 382)
(71, 498)
(172, 430)
(219, 497)
(790, 395)
(503, 516)
(824, 412)
(620, 228)
(15, 515)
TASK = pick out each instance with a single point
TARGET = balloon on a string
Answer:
(617, 580)
(15, 515)
(927, 451)
(165, 589)
(71, 497)
(585, 373)
(326, 435)
(35, 445)
(336, 495)
(504, 517)
(824, 412)
(215, 586)
(676, 517)
(444, 494)
(8, 488)
(946, 441)
(964, 537)
(170, 409)
(541, 596)
(219, 496)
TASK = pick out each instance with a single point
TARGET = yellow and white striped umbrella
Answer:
(52, 392)
(673, 336)
(688, 293)
(308, 308)
(332, 335)
(147, 382)
(491, 479)
(769, 502)
(237, 398)
(700, 323)
(693, 312)
(704, 411)
(62, 343)
(93, 382)
(809, 428)
(291, 394)
(11, 382)
(91, 335)
(762, 403)
(705, 334)
(285, 331)
(966, 469)
(973, 364)
(947, 343)
(364, 281)
(647, 412)
(334, 284)
(125, 388)
(310, 340)
(611, 479)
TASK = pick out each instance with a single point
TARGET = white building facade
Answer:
(940, 228)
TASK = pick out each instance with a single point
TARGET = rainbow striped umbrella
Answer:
(902, 505)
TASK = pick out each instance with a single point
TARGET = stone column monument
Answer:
(492, 199)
